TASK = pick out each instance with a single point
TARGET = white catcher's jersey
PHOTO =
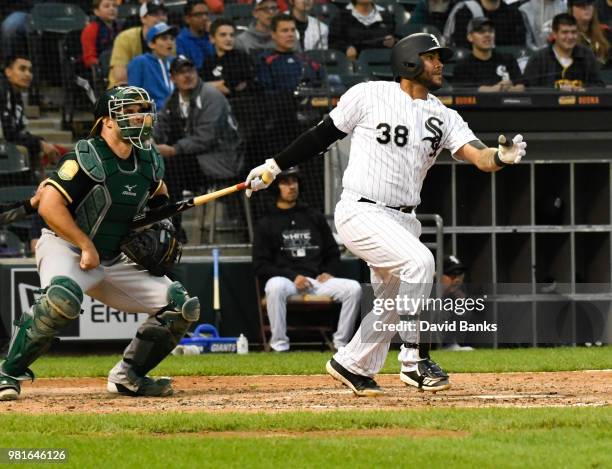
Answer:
(396, 139)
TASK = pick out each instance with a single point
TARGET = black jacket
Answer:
(543, 68)
(235, 68)
(293, 242)
(13, 119)
(472, 71)
(507, 20)
(345, 30)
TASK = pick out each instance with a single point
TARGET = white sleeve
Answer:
(347, 114)
(459, 133)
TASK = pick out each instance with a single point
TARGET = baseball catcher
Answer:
(89, 204)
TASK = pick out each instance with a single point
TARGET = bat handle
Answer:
(267, 177)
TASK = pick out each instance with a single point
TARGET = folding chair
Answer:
(307, 308)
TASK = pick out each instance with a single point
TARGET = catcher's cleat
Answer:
(362, 386)
(9, 388)
(428, 376)
(146, 387)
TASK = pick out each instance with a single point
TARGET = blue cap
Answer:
(159, 29)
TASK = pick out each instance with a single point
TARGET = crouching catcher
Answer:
(89, 204)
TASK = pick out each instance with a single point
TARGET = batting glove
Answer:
(510, 152)
(262, 176)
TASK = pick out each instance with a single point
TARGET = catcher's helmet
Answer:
(135, 126)
(406, 54)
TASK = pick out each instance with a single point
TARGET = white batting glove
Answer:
(255, 179)
(511, 152)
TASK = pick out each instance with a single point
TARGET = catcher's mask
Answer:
(406, 59)
(132, 109)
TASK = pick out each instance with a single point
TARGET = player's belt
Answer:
(401, 208)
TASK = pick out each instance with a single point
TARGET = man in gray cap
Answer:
(486, 68)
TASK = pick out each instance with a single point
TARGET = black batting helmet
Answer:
(293, 171)
(406, 54)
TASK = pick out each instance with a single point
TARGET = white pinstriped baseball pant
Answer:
(388, 240)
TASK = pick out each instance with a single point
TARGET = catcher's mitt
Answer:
(155, 248)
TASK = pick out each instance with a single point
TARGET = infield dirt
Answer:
(272, 393)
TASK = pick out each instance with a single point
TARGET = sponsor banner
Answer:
(97, 321)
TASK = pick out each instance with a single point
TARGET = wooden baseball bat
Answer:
(170, 210)
(146, 218)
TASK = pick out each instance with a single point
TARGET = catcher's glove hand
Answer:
(155, 248)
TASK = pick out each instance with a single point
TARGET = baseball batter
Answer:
(89, 204)
(398, 130)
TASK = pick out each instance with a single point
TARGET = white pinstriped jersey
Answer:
(396, 139)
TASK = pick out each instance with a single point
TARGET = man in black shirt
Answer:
(231, 71)
(295, 252)
(484, 67)
(507, 19)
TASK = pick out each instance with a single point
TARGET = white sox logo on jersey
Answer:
(436, 134)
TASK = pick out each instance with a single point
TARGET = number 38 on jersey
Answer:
(387, 134)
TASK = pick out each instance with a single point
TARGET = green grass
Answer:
(304, 363)
(493, 437)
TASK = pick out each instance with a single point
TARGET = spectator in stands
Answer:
(538, 16)
(13, 31)
(280, 72)
(590, 30)
(257, 37)
(294, 252)
(193, 41)
(362, 25)
(196, 133)
(431, 12)
(508, 22)
(312, 33)
(565, 64)
(16, 79)
(229, 70)
(232, 72)
(282, 69)
(132, 42)
(486, 68)
(98, 36)
(151, 71)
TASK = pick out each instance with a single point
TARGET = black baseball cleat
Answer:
(428, 376)
(362, 386)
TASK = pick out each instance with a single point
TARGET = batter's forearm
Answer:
(313, 142)
(487, 161)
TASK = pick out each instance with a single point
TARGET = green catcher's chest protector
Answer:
(105, 214)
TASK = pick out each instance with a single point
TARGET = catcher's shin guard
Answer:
(159, 334)
(60, 302)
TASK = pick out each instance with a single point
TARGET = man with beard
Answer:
(398, 130)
